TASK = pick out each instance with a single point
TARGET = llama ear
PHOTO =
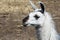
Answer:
(33, 6)
(42, 7)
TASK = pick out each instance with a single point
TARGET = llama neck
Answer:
(47, 31)
(38, 32)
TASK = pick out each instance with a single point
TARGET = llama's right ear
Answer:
(42, 7)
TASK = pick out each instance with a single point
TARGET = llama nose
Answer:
(23, 22)
(25, 19)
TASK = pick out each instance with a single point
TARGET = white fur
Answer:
(48, 31)
(33, 6)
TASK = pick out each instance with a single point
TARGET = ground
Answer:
(13, 11)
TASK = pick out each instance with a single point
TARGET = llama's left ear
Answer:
(33, 6)
(42, 7)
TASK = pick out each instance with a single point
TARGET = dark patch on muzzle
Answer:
(24, 20)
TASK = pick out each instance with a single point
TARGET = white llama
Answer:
(43, 23)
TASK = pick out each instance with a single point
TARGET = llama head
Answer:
(36, 17)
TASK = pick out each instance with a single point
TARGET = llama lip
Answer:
(35, 25)
(25, 25)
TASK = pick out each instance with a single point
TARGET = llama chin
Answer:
(43, 22)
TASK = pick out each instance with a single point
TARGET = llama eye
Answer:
(36, 17)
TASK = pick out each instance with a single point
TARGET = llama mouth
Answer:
(25, 25)
(36, 25)
(33, 24)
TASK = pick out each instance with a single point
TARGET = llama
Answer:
(43, 22)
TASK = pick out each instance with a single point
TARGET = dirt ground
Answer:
(13, 11)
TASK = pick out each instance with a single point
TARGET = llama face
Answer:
(35, 18)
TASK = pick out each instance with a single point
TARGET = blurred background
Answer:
(13, 11)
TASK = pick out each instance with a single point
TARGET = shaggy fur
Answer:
(48, 31)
